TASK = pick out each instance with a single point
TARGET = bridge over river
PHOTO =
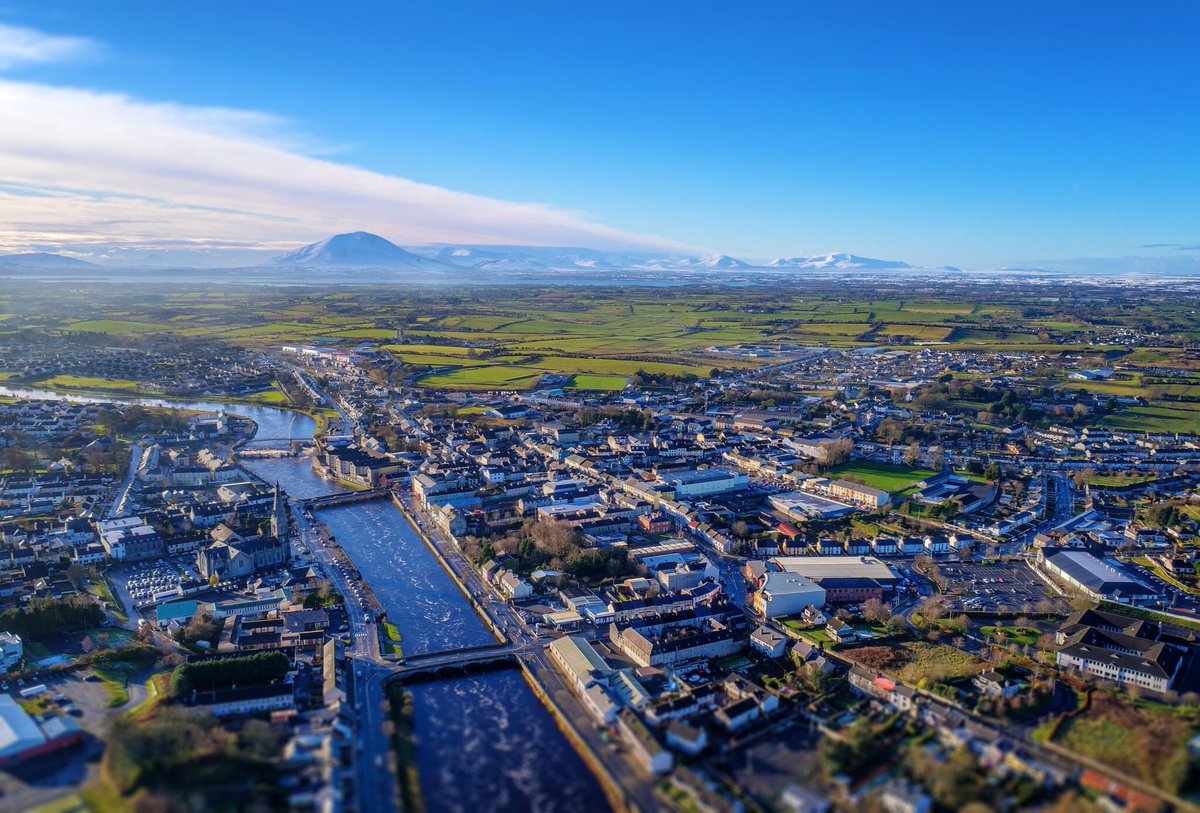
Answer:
(432, 665)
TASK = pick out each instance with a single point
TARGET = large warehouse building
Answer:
(782, 594)
(21, 738)
(1096, 578)
(845, 579)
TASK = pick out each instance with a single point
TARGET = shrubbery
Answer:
(223, 673)
(47, 616)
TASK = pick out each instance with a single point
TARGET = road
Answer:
(118, 503)
(364, 638)
(1060, 486)
(373, 747)
(376, 786)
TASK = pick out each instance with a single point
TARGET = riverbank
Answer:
(481, 611)
(617, 798)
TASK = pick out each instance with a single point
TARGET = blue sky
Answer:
(959, 133)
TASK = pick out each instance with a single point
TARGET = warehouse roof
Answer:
(18, 731)
(578, 655)
(1095, 574)
(837, 567)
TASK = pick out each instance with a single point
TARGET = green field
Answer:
(1116, 481)
(483, 378)
(271, 397)
(1167, 420)
(114, 326)
(892, 479)
(80, 382)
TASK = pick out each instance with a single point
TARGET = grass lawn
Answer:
(72, 803)
(83, 382)
(105, 592)
(880, 475)
(951, 625)
(432, 360)
(115, 677)
(1018, 636)
(937, 662)
(1161, 572)
(818, 636)
(915, 662)
(1138, 612)
(271, 397)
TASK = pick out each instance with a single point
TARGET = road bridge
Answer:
(447, 662)
(348, 498)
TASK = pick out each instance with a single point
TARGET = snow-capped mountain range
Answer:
(835, 261)
(359, 251)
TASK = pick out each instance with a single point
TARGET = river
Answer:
(273, 424)
(484, 743)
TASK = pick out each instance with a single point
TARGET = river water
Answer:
(484, 743)
(273, 424)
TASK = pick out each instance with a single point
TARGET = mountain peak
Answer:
(42, 259)
(358, 249)
(720, 261)
(838, 260)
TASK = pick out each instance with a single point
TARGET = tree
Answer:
(257, 739)
(740, 529)
(838, 452)
(992, 472)
(912, 455)
(932, 609)
(876, 611)
(75, 574)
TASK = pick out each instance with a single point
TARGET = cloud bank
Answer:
(100, 174)
(25, 46)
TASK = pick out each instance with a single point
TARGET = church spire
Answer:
(279, 515)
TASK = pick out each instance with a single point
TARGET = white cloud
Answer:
(24, 46)
(89, 171)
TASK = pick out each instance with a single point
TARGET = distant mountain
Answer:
(836, 261)
(358, 249)
(41, 259)
(720, 262)
(502, 258)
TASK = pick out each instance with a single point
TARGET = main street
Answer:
(122, 493)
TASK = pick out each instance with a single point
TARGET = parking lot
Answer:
(1172, 596)
(1000, 587)
(146, 584)
(154, 582)
(43, 779)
